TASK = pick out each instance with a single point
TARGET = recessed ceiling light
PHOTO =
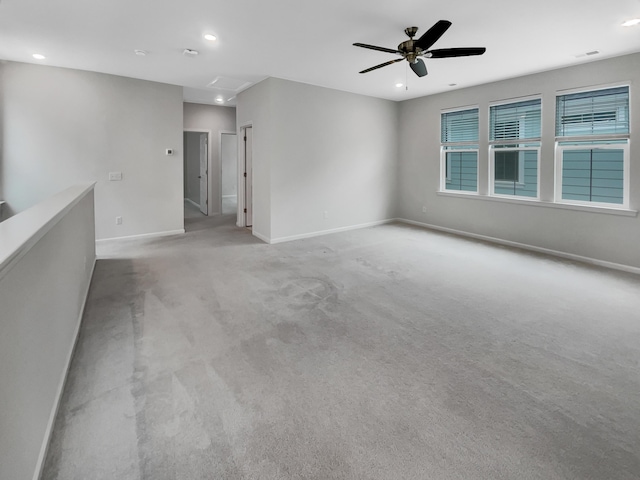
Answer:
(399, 85)
(631, 23)
(38, 56)
(140, 53)
(210, 37)
(190, 53)
(219, 100)
(453, 84)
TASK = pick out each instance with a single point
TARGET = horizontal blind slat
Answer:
(515, 121)
(598, 112)
(460, 126)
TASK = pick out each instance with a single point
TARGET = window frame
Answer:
(626, 183)
(591, 142)
(458, 147)
(492, 166)
(521, 145)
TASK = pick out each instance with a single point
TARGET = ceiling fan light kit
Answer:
(411, 50)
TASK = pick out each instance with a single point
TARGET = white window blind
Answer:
(515, 121)
(599, 112)
(459, 127)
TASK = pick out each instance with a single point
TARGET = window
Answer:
(459, 150)
(592, 147)
(514, 137)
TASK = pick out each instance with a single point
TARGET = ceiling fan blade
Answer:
(454, 52)
(373, 47)
(383, 65)
(419, 68)
(432, 35)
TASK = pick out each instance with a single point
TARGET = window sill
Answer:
(539, 203)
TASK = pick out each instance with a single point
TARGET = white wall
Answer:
(63, 126)
(601, 236)
(42, 296)
(255, 107)
(192, 166)
(215, 119)
(229, 153)
(329, 151)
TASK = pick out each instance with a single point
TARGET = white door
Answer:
(248, 160)
(204, 184)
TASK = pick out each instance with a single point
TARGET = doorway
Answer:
(229, 172)
(196, 172)
(248, 175)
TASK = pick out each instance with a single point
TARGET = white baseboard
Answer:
(142, 235)
(328, 232)
(524, 246)
(197, 205)
(229, 196)
(44, 449)
(262, 237)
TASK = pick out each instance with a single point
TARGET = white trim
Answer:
(326, 232)
(229, 196)
(539, 203)
(594, 138)
(461, 109)
(524, 246)
(142, 235)
(444, 149)
(241, 217)
(44, 449)
(193, 203)
(507, 101)
(595, 88)
(626, 180)
(264, 238)
(521, 169)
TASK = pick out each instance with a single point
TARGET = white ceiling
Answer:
(311, 42)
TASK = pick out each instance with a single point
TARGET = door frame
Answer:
(242, 219)
(209, 186)
(220, 133)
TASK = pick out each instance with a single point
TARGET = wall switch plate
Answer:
(424, 209)
(115, 176)
(325, 214)
(118, 220)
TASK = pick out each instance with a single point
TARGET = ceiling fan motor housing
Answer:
(409, 50)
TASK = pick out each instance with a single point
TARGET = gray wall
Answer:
(63, 127)
(215, 119)
(602, 236)
(41, 302)
(328, 151)
(192, 166)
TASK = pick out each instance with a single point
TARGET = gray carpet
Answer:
(384, 353)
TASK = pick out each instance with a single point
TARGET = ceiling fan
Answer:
(412, 49)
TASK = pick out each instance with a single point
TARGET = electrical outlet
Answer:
(115, 176)
(118, 220)
(424, 209)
